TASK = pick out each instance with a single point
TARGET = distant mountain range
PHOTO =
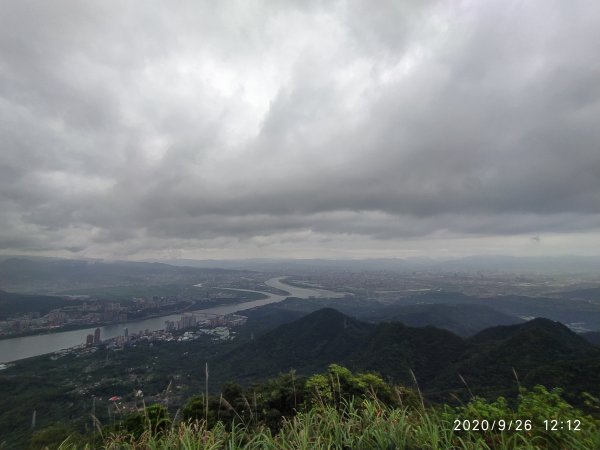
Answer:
(481, 263)
(464, 314)
(492, 362)
(28, 275)
(463, 319)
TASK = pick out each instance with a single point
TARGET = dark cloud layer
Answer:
(259, 128)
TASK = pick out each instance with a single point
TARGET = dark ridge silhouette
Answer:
(488, 360)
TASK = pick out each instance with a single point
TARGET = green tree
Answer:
(340, 384)
(154, 418)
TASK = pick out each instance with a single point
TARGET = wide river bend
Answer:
(28, 346)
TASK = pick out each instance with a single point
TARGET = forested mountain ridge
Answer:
(492, 361)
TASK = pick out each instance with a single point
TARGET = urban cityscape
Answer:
(189, 327)
(88, 312)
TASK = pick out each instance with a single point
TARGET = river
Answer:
(28, 346)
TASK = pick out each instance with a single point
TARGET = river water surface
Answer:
(28, 346)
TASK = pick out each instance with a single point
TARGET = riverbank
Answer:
(193, 306)
(14, 349)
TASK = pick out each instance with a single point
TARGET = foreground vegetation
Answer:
(98, 398)
(338, 409)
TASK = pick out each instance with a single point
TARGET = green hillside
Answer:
(13, 304)
(336, 409)
(492, 362)
(447, 368)
(307, 344)
(499, 358)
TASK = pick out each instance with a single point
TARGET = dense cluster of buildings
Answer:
(155, 302)
(190, 326)
(87, 313)
(186, 321)
(22, 323)
(94, 339)
(126, 338)
(192, 320)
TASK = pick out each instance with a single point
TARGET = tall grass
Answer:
(352, 424)
(347, 411)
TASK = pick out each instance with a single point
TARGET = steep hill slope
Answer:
(328, 336)
(528, 350)
(394, 349)
(539, 351)
(308, 344)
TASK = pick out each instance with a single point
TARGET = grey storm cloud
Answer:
(128, 128)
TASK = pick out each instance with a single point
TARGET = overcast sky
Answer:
(345, 129)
